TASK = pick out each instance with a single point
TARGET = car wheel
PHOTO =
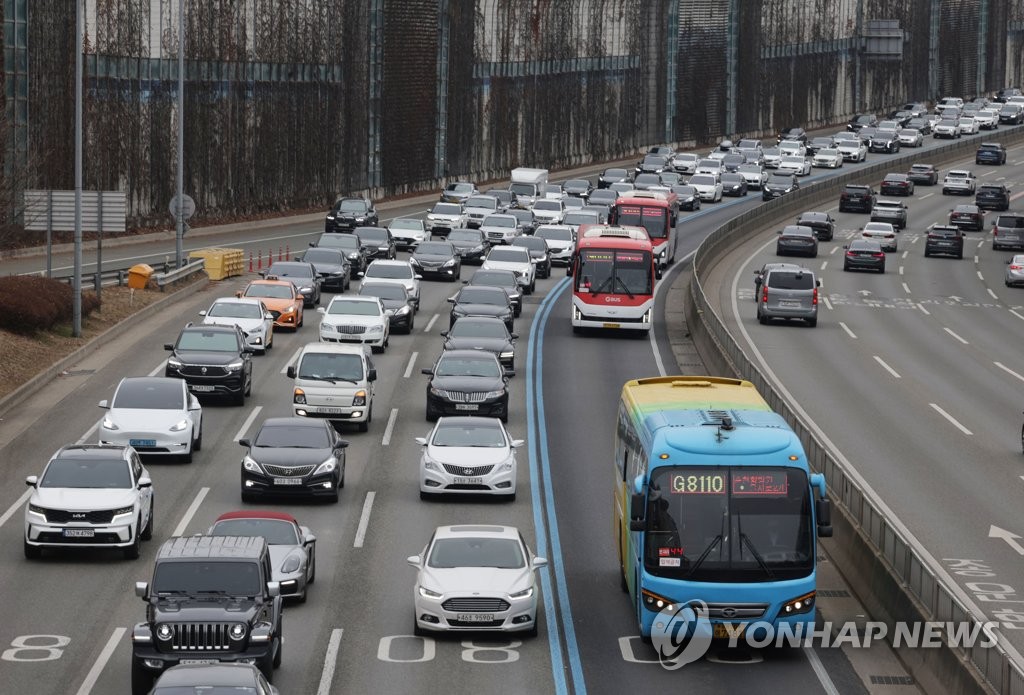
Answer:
(509, 498)
(302, 319)
(533, 629)
(426, 496)
(846, 266)
(416, 629)
(960, 255)
(132, 551)
(147, 533)
(248, 497)
(431, 414)
(266, 667)
(312, 567)
(191, 454)
(812, 323)
(926, 254)
(762, 319)
(364, 426)
(198, 444)
(504, 414)
(239, 398)
(408, 330)
(142, 679)
(34, 552)
(882, 269)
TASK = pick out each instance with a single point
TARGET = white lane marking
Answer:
(101, 661)
(821, 672)
(248, 423)
(906, 288)
(848, 331)
(89, 432)
(893, 372)
(976, 258)
(330, 661)
(991, 293)
(364, 519)
(1018, 315)
(291, 360)
(834, 250)
(980, 276)
(945, 328)
(904, 257)
(16, 506)
(824, 264)
(1009, 371)
(430, 324)
(827, 303)
(412, 363)
(386, 439)
(190, 512)
(925, 311)
(159, 368)
(927, 195)
(981, 243)
(951, 419)
(901, 268)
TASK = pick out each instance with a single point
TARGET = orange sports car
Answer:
(282, 299)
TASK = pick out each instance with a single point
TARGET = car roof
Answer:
(486, 530)
(814, 215)
(334, 348)
(463, 354)
(797, 229)
(455, 420)
(237, 300)
(218, 674)
(294, 421)
(91, 451)
(388, 261)
(870, 243)
(286, 265)
(884, 202)
(210, 328)
(257, 514)
(222, 547)
(480, 319)
(352, 298)
(266, 281)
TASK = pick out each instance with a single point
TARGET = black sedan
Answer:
(733, 185)
(779, 185)
(438, 259)
(580, 188)
(219, 677)
(377, 241)
(293, 456)
(349, 243)
(967, 217)
(331, 266)
(483, 333)
(467, 382)
(924, 174)
(610, 176)
(793, 134)
(796, 240)
(864, 120)
(303, 275)
(863, 254)
(539, 253)
(821, 222)
(527, 220)
(471, 244)
(896, 184)
(350, 213)
(396, 300)
(885, 140)
(504, 279)
(492, 302)
(688, 197)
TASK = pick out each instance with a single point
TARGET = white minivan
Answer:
(334, 381)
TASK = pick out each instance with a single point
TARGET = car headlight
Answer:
(383, 248)
(234, 366)
(36, 509)
(164, 632)
(359, 399)
(374, 329)
(429, 464)
(448, 264)
(327, 466)
(477, 249)
(506, 355)
(436, 392)
(427, 593)
(330, 215)
(326, 328)
(403, 311)
(525, 593)
(508, 465)
(180, 426)
(413, 261)
(494, 394)
(109, 424)
(305, 289)
(124, 510)
(801, 604)
(174, 362)
(237, 632)
(291, 564)
(250, 465)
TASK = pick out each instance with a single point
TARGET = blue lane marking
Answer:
(538, 433)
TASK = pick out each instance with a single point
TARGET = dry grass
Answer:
(22, 357)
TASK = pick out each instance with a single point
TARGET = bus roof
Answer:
(606, 231)
(686, 412)
(658, 198)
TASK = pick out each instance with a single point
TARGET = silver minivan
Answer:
(788, 293)
(1008, 231)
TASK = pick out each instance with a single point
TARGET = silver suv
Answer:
(1008, 231)
(788, 293)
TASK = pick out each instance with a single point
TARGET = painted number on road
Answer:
(36, 648)
(491, 653)
(424, 647)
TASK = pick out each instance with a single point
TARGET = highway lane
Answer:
(915, 376)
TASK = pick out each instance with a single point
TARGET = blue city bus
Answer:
(714, 503)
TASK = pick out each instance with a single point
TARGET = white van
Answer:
(334, 381)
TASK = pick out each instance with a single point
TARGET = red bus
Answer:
(613, 273)
(655, 211)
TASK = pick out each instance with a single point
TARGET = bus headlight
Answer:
(656, 603)
(798, 605)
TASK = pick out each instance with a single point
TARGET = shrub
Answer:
(29, 304)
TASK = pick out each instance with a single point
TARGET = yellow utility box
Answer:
(138, 276)
(221, 263)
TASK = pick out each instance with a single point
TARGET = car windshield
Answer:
(407, 223)
(484, 201)
(828, 152)
(323, 256)
(522, 215)
(793, 160)
(509, 254)
(453, 432)
(614, 272)
(331, 365)
(947, 123)
(339, 241)
(390, 271)
(353, 308)
(732, 178)
(501, 221)
(352, 206)
(552, 205)
(372, 236)
(467, 366)
(291, 270)
(435, 248)
(150, 394)
(275, 531)
(384, 290)
(576, 184)
(208, 341)
(292, 437)
(478, 329)
(466, 235)
(503, 553)
(205, 690)
(217, 577)
(470, 295)
(459, 188)
(780, 180)
(533, 243)
(235, 310)
(553, 234)
(655, 159)
(647, 179)
(865, 246)
(269, 291)
(615, 173)
(87, 472)
(495, 279)
(791, 281)
(447, 209)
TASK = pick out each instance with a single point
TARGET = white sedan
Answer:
(356, 320)
(853, 149)
(399, 272)
(476, 577)
(249, 314)
(829, 158)
(910, 137)
(708, 187)
(155, 415)
(518, 260)
(795, 164)
(882, 232)
(468, 455)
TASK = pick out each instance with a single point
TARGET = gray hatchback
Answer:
(789, 293)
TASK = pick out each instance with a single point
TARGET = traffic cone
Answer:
(260, 266)
(280, 254)
(287, 251)
(250, 262)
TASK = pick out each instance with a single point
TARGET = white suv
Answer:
(155, 415)
(90, 496)
(398, 272)
(349, 319)
(514, 258)
(444, 217)
(248, 313)
(959, 181)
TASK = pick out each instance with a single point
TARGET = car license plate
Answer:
(469, 481)
(330, 411)
(198, 661)
(202, 388)
(721, 630)
(466, 406)
(79, 533)
(287, 481)
(476, 617)
(142, 442)
(612, 325)
(789, 305)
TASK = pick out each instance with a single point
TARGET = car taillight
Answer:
(851, 254)
(878, 255)
(1015, 267)
(814, 299)
(764, 294)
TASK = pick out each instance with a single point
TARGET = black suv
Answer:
(349, 213)
(821, 222)
(990, 153)
(857, 199)
(943, 239)
(992, 196)
(212, 359)
(211, 600)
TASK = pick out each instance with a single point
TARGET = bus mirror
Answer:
(636, 507)
(824, 532)
(638, 485)
(823, 510)
(636, 524)
(818, 481)
(657, 272)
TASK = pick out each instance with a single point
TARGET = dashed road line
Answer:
(430, 324)
(386, 439)
(847, 329)
(182, 526)
(364, 519)
(950, 331)
(16, 506)
(1009, 371)
(951, 419)
(330, 662)
(886, 367)
(291, 360)
(248, 423)
(412, 363)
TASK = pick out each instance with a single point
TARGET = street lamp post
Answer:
(76, 302)
(179, 217)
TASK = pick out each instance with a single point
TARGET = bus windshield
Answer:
(653, 219)
(729, 524)
(614, 272)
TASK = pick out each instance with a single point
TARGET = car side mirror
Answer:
(238, 294)
(422, 441)
(371, 374)
(539, 562)
(444, 334)
(291, 372)
(427, 371)
(193, 403)
(321, 310)
(31, 481)
(465, 282)
(312, 245)
(203, 312)
(244, 442)
(168, 346)
(823, 512)
(657, 272)
(273, 589)
(142, 590)
(414, 560)
(513, 336)
(516, 443)
(450, 300)
(817, 283)
(103, 404)
(418, 277)
(308, 539)
(145, 482)
(298, 259)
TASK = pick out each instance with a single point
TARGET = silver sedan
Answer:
(468, 455)
(1015, 271)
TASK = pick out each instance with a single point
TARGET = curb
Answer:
(15, 397)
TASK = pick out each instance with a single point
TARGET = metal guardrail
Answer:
(1001, 666)
(187, 270)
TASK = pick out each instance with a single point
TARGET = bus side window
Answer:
(620, 445)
